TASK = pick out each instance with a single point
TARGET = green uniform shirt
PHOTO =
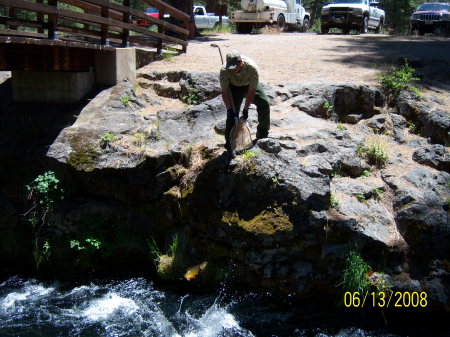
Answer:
(247, 76)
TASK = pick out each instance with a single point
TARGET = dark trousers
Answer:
(262, 107)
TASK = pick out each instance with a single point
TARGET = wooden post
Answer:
(126, 19)
(105, 28)
(13, 14)
(53, 22)
(159, 44)
(40, 17)
(185, 25)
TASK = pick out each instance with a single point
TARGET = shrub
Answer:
(376, 154)
(45, 191)
(397, 80)
(354, 278)
(165, 262)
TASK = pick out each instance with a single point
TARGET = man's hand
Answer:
(245, 113)
(231, 113)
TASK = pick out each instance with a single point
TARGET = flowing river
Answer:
(135, 307)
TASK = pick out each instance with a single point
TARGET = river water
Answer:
(134, 307)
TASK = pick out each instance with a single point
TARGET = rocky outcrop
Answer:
(348, 103)
(280, 216)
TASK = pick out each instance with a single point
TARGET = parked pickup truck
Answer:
(352, 14)
(205, 20)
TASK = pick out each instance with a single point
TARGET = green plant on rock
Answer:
(354, 278)
(139, 139)
(327, 107)
(166, 263)
(396, 80)
(411, 127)
(125, 100)
(107, 139)
(341, 127)
(376, 153)
(417, 92)
(249, 154)
(191, 98)
(361, 196)
(366, 174)
(333, 201)
(378, 193)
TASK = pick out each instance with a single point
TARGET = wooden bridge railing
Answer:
(98, 21)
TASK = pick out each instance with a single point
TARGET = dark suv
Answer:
(431, 17)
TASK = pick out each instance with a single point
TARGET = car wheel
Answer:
(324, 29)
(439, 31)
(378, 29)
(305, 26)
(281, 22)
(365, 25)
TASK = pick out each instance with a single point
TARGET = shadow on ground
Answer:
(428, 55)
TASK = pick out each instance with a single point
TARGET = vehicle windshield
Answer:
(152, 10)
(347, 1)
(434, 7)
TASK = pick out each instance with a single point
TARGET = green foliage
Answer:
(191, 98)
(125, 100)
(166, 263)
(89, 244)
(45, 191)
(139, 139)
(397, 80)
(327, 106)
(377, 154)
(366, 174)
(354, 277)
(378, 193)
(107, 139)
(333, 201)
(417, 92)
(249, 154)
(361, 197)
(341, 127)
(411, 127)
(218, 29)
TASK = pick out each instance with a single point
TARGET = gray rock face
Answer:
(349, 102)
(435, 156)
(269, 210)
(430, 122)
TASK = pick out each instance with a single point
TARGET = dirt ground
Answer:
(299, 57)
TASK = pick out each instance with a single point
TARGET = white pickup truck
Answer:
(352, 14)
(205, 20)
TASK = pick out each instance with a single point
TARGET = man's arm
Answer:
(249, 98)
(226, 99)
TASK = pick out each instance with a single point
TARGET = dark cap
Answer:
(233, 59)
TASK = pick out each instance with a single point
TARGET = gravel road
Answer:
(297, 57)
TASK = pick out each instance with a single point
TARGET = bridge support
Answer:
(112, 67)
(51, 86)
(60, 74)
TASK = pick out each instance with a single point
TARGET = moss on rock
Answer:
(268, 222)
(84, 159)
